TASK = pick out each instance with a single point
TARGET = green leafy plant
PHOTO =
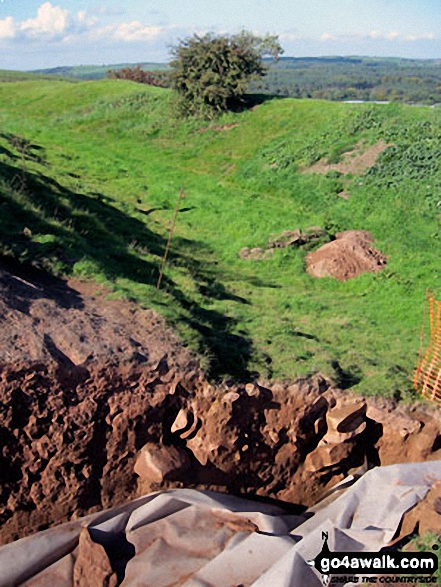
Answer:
(428, 542)
(211, 73)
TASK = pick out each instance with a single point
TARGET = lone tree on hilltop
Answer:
(211, 73)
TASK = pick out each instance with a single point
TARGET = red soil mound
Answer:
(349, 255)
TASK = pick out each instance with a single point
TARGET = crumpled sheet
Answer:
(204, 539)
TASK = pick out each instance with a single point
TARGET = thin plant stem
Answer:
(170, 236)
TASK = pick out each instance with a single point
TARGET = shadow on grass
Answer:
(253, 100)
(27, 150)
(45, 225)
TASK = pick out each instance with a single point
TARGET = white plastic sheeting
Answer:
(204, 539)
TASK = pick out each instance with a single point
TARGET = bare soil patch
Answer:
(349, 255)
(218, 127)
(357, 161)
(100, 402)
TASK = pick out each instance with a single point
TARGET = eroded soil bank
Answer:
(100, 402)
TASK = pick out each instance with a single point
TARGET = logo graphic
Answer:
(383, 562)
(317, 560)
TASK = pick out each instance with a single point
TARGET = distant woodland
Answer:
(414, 81)
(355, 78)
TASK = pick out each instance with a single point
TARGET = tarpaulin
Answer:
(192, 538)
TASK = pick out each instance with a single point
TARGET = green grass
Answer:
(97, 183)
(429, 542)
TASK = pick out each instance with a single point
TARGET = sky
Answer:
(38, 34)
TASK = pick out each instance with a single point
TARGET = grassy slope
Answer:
(101, 198)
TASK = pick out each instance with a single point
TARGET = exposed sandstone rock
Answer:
(186, 423)
(346, 416)
(297, 237)
(256, 254)
(346, 422)
(92, 567)
(156, 463)
(70, 433)
(325, 456)
(425, 516)
(181, 421)
(288, 238)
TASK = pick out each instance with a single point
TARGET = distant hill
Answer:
(91, 72)
(7, 75)
(334, 78)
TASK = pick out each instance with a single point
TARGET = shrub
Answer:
(211, 73)
(141, 76)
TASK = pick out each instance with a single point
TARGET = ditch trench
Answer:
(101, 403)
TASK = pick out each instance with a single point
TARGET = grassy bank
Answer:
(91, 173)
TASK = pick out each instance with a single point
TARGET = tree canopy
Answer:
(211, 73)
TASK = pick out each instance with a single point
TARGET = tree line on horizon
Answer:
(215, 73)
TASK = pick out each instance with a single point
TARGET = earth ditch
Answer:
(100, 403)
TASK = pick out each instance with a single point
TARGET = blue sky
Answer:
(38, 34)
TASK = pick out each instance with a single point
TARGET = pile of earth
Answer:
(99, 403)
(349, 255)
(342, 256)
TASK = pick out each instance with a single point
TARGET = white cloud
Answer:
(107, 11)
(136, 31)
(51, 21)
(377, 36)
(84, 21)
(54, 23)
(83, 18)
(423, 37)
(103, 31)
(290, 37)
(328, 37)
(8, 29)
